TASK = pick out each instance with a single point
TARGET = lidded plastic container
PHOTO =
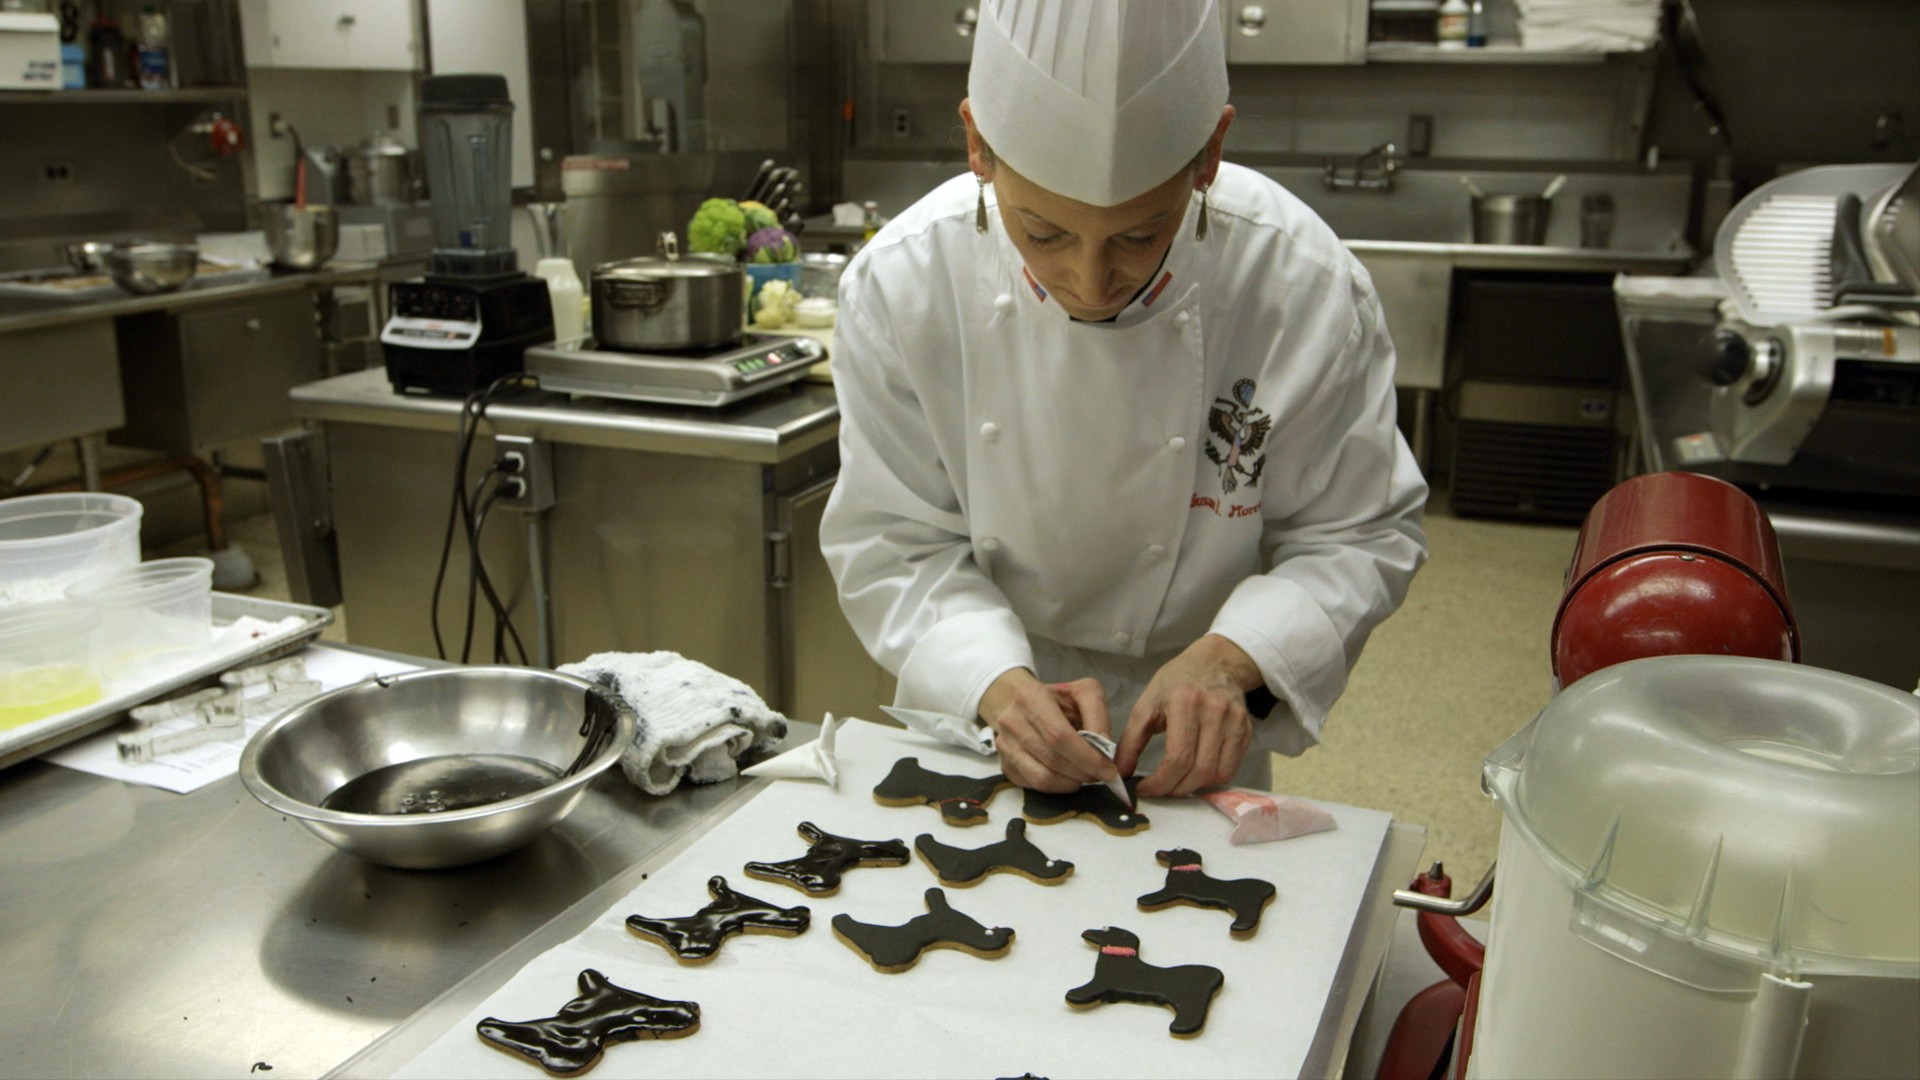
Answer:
(1709, 866)
(51, 542)
(46, 662)
(148, 615)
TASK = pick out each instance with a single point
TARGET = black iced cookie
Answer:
(1186, 883)
(818, 872)
(893, 949)
(695, 938)
(962, 867)
(571, 1042)
(961, 800)
(1094, 801)
(1120, 975)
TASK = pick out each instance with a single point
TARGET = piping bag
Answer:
(813, 761)
(1259, 817)
(947, 728)
(1107, 748)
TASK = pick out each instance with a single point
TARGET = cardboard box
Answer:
(29, 51)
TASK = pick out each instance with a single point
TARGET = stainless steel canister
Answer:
(301, 237)
(382, 172)
(667, 303)
(1510, 219)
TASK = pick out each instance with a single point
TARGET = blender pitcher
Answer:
(467, 140)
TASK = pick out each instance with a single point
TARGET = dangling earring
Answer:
(1200, 229)
(980, 209)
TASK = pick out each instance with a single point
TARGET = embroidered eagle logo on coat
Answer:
(1237, 437)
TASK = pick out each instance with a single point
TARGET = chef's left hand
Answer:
(1199, 699)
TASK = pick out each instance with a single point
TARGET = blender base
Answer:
(453, 336)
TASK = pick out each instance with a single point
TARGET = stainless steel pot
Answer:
(1510, 219)
(382, 172)
(667, 303)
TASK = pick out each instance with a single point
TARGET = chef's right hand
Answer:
(1036, 728)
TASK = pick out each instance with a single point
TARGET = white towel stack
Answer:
(694, 723)
(1589, 25)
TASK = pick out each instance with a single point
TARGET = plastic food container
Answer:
(148, 614)
(46, 662)
(1709, 866)
(49, 543)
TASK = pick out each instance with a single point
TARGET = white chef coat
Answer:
(1020, 489)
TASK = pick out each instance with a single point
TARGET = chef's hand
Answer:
(1036, 727)
(1199, 698)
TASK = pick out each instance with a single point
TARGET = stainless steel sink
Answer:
(1431, 206)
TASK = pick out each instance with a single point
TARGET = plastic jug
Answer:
(568, 295)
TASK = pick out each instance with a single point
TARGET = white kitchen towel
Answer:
(692, 722)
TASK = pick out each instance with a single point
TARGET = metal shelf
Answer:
(124, 97)
(1493, 53)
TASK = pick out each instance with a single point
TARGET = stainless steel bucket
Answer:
(1510, 219)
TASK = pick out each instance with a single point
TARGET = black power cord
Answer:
(461, 507)
(477, 572)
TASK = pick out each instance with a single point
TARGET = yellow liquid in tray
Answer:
(32, 693)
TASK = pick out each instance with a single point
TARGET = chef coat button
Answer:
(1177, 443)
(990, 431)
(1003, 303)
(1156, 550)
(990, 543)
(1121, 637)
(1183, 318)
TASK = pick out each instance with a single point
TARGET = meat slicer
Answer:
(1816, 379)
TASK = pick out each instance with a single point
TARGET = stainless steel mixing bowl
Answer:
(437, 768)
(151, 266)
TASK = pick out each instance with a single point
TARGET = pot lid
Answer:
(382, 145)
(653, 268)
(669, 264)
(1707, 810)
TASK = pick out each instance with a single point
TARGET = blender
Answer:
(470, 320)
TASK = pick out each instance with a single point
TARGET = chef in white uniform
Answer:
(1117, 436)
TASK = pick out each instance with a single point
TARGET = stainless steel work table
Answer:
(145, 933)
(150, 934)
(59, 357)
(766, 430)
(19, 313)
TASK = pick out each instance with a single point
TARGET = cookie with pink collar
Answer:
(1119, 975)
(1187, 883)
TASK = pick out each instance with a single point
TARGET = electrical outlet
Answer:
(530, 461)
(902, 123)
(56, 172)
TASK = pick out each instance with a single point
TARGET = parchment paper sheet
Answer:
(810, 1006)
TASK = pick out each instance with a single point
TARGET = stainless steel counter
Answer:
(19, 313)
(1533, 257)
(150, 934)
(769, 429)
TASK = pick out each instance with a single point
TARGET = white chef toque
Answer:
(1098, 100)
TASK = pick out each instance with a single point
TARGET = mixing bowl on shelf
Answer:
(152, 266)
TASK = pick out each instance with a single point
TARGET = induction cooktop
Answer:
(706, 377)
